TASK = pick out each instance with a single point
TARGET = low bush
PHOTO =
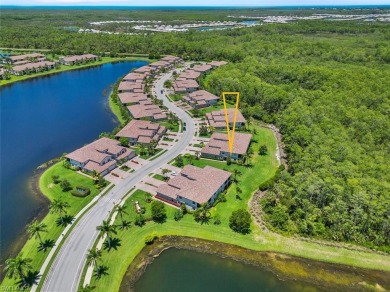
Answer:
(80, 192)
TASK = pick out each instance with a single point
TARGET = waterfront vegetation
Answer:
(33, 248)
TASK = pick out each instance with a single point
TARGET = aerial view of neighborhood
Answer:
(156, 147)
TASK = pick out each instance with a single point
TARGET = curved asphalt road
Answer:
(67, 267)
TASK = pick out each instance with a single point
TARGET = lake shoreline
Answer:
(39, 213)
(285, 267)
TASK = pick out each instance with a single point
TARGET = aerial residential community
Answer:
(194, 149)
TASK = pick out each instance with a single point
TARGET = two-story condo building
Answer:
(217, 119)
(101, 156)
(194, 186)
(201, 98)
(142, 132)
(218, 146)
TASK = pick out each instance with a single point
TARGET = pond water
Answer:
(41, 118)
(183, 270)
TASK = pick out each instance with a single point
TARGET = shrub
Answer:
(65, 185)
(178, 215)
(139, 220)
(217, 220)
(263, 150)
(55, 179)
(81, 192)
(240, 221)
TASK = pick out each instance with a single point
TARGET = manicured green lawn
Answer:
(176, 97)
(53, 191)
(173, 127)
(159, 177)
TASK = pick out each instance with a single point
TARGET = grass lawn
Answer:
(146, 154)
(53, 191)
(73, 67)
(173, 127)
(133, 239)
(159, 177)
(176, 97)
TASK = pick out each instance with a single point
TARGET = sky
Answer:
(195, 2)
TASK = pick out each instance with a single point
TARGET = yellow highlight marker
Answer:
(230, 137)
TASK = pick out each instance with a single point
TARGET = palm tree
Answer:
(93, 256)
(35, 228)
(58, 206)
(18, 267)
(236, 173)
(86, 288)
(197, 155)
(202, 213)
(100, 271)
(121, 209)
(107, 229)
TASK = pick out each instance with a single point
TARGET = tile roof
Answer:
(202, 95)
(33, 65)
(132, 97)
(144, 69)
(22, 57)
(97, 151)
(130, 86)
(143, 131)
(79, 57)
(219, 142)
(134, 76)
(182, 85)
(202, 68)
(170, 59)
(144, 111)
(189, 74)
(217, 63)
(159, 64)
(194, 183)
(217, 118)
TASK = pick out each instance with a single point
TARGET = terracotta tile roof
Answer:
(132, 97)
(134, 76)
(183, 85)
(189, 74)
(33, 66)
(97, 151)
(93, 166)
(143, 131)
(79, 58)
(159, 64)
(170, 59)
(144, 69)
(22, 57)
(219, 142)
(202, 68)
(130, 86)
(217, 118)
(202, 95)
(194, 183)
(144, 111)
(217, 63)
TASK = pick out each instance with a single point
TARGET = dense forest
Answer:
(325, 84)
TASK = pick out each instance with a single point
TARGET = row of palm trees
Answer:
(19, 267)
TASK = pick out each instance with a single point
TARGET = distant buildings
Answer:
(204, 68)
(142, 132)
(32, 68)
(218, 146)
(217, 119)
(194, 186)
(76, 59)
(101, 156)
(27, 58)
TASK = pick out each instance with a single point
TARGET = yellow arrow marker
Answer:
(230, 137)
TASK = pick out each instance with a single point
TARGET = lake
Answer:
(184, 270)
(41, 118)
